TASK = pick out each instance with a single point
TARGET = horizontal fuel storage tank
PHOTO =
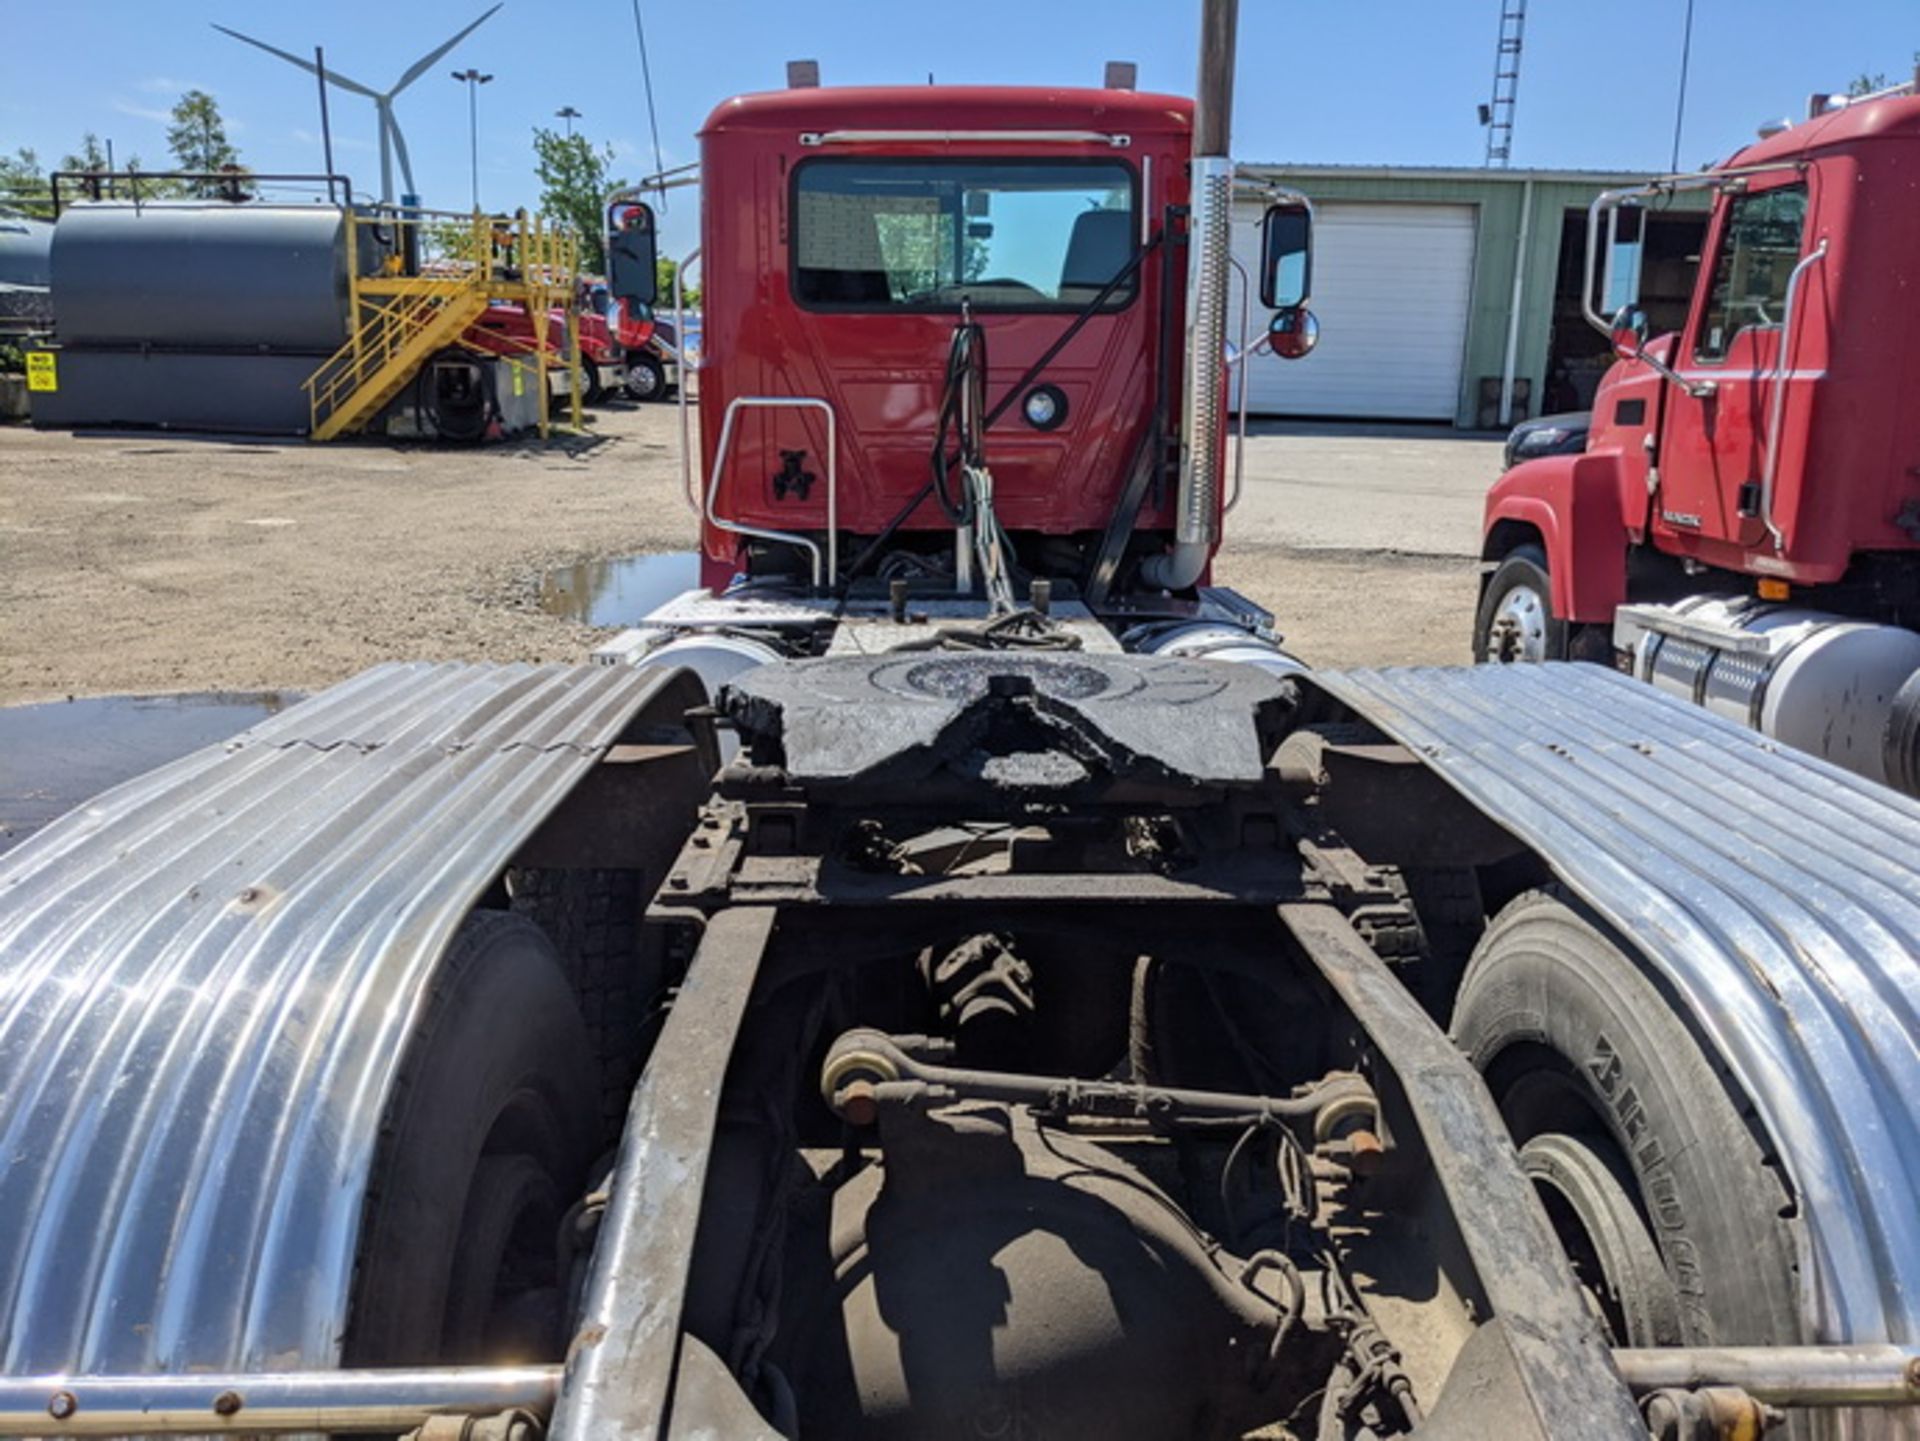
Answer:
(24, 242)
(199, 275)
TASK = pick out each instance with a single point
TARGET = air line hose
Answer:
(963, 418)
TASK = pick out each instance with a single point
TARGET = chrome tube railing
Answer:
(1777, 414)
(785, 537)
(687, 491)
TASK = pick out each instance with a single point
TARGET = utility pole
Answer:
(473, 80)
(568, 114)
(1680, 106)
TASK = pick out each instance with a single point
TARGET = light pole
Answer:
(474, 80)
(568, 114)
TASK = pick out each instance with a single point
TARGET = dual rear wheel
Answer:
(1663, 1196)
(489, 1138)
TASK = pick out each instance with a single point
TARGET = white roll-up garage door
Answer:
(1391, 288)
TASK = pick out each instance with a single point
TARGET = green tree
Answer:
(90, 156)
(198, 140)
(23, 184)
(1865, 84)
(575, 180)
(664, 270)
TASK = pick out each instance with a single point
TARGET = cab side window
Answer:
(1758, 250)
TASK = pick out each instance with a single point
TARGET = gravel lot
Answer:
(152, 562)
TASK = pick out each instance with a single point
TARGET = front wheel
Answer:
(646, 378)
(1516, 620)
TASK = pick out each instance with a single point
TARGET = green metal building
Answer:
(1454, 295)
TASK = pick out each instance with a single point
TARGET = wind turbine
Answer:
(391, 140)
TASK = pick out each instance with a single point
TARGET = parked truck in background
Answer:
(952, 974)
(1742, 526)
(504, 329)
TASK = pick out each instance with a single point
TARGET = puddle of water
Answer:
(54, 756)
(618, 592)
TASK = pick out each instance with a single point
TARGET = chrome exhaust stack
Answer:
(1209, 249)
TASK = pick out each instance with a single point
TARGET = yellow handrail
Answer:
(439, 269)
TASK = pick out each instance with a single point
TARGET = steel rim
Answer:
(1519, 628)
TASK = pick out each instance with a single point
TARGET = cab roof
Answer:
(1895, 117)
(952, 107)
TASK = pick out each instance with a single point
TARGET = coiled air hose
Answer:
(960, 433)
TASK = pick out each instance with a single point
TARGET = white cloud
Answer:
(158, 117)
(165, 85)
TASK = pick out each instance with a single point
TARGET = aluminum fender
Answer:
(1779, 894)
(207, 978)
(1573, 501)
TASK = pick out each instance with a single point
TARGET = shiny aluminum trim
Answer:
(1775, 438)
(269, 1403)
(1210, 245)
(1778, 894)
(207, 975)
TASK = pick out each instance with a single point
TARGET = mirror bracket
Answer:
(1630, 324)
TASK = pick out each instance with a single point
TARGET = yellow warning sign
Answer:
(519, 381)
(41, 371)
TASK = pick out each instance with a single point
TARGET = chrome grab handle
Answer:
(786, 537)
(1239, 360)
(1777, 415)
(687, 491)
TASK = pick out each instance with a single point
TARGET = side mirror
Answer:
(1629, 333)
(1286, 255)
(632, 252)
(1293, 333)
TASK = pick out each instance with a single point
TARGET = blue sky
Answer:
(1324, 81)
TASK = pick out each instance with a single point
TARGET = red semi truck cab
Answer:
(845, 233)
(1750, 492)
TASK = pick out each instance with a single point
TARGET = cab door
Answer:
(1713, 453)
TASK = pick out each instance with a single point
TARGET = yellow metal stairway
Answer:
(408, 310)
(397, 335)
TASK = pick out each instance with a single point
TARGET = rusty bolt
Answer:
(249, 895)
(856, 1103)
(227, 1403)
(63, 1405)
(1365, 1152)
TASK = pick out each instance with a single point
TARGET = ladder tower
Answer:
(1498, 115)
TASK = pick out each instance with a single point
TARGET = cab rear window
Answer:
(932, 234)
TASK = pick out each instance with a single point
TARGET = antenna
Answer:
(1497, 115)
(392, 142)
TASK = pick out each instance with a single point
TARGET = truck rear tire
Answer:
(488, 1138)
(1516, 621)
(1605, 1088)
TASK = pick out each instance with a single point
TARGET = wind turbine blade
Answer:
(427, 62)
(334, 77)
